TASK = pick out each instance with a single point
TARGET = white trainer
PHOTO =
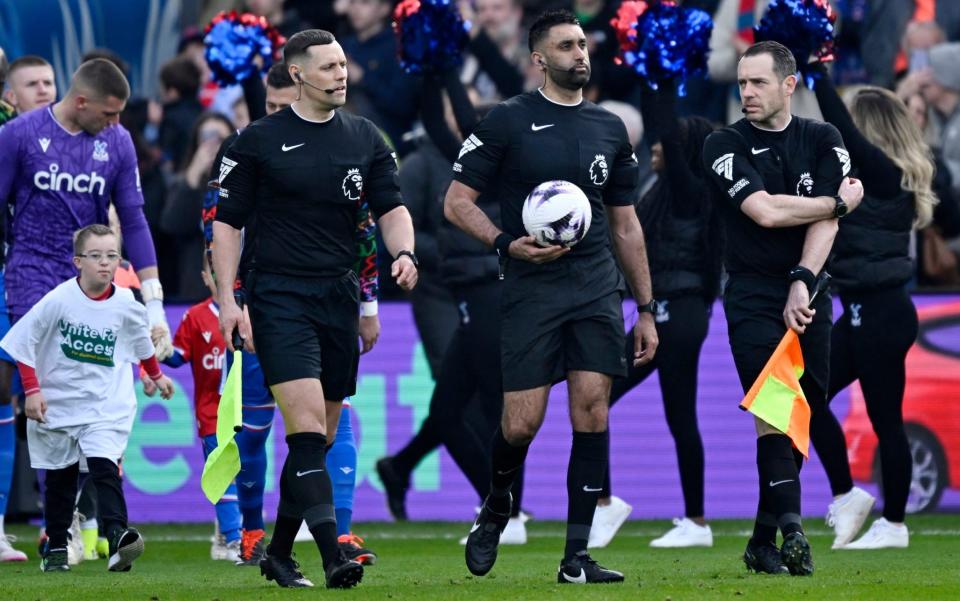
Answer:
(883, 535)
(685, 533)
(607, 519)
(221, 550)
(75, 540)
(515, 532)
(7, 552)
(847, 514)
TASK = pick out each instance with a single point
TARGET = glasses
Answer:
(97, 257)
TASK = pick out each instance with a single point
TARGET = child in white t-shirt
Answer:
(74, 350)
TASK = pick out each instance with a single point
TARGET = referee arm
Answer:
(460, 208)
(631, 250)
(226, 257)
(396, 226)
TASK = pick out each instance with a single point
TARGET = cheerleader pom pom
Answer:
(233, 40)
(805, 27)
(661, 41)
(431, 35)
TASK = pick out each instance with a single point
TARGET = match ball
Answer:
(557, 213)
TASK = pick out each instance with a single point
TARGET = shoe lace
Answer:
(353, 538)
(290, 566)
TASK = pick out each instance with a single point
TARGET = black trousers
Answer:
(870, 343)
(682, 328)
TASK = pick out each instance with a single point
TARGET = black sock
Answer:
(781, 478)
(310, 483)
(506, 463)
(588, 465)
(58, 501)
(424, 441)
(288, 519)
(606, 492)
(112, 507)
(765, 525)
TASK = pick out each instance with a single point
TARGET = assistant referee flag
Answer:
(223, 464)
(776, 396)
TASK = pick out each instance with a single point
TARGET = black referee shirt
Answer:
(807, 158)
(528, 140)
(302, 180)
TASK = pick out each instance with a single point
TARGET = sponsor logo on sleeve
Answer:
(471, 143)
(844, 157)
(723, 166)
(740, 185)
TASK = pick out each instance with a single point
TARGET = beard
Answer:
(570, 79)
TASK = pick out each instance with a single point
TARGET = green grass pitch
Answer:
(422, 561)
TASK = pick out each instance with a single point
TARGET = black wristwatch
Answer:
(802, 274)
(413, 257)
(650, 307)
(841, 208)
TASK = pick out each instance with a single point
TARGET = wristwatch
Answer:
(841, 207)
(413, 257)
(802, 274)
(650, 307)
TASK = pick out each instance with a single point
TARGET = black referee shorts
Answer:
(560, 317)
(754, 310)
(307, 328)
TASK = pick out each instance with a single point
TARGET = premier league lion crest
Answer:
(805, 185)
(599, 170)
(352, 184)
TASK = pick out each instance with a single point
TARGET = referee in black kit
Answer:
(561, 307)
(300, 171)
(784, 186)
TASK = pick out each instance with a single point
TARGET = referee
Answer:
(784, 187)
(561, 307)
(300, 172)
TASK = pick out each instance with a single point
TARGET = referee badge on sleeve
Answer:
(226, 166)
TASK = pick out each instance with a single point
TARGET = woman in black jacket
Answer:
(871, 267)
(683, 248)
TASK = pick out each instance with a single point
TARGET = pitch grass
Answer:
(422, 561)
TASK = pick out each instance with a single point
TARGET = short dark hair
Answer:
(81, 236)
(784, 63)
(110, 55)
(296, 46)
(548, 20)
(27, 60)
(100, 78)
(278, 76)
(182, 75)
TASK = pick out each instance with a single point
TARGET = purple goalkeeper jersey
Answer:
(53, 183)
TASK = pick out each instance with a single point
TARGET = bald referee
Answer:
(300, 172)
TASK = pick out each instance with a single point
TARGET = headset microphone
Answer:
(307, 83)
(744, 111)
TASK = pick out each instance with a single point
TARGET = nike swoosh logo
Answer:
(301, 474)
(580, 579)
(536, 127)
(588, 489)
(286, 148)
(475, 526)
(510, 471)
(772, 483)
(249, 484)
(755, 151)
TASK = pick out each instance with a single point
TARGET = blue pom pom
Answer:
(662, 41)
(431, 35)
(232, 41)
(806, 27)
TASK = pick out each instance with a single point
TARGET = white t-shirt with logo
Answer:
(81, 350)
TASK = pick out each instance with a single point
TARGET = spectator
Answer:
(181, 213)
(31, 84)
(387, 95)
(287, 21)
(940, 86)
(497, 56)
(179, 83)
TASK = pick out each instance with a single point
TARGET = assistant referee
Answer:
(300, 172)
(783, 185)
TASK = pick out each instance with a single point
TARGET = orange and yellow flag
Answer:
(776, 396)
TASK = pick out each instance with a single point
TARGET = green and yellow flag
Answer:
(223, 464)
(776, 396)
